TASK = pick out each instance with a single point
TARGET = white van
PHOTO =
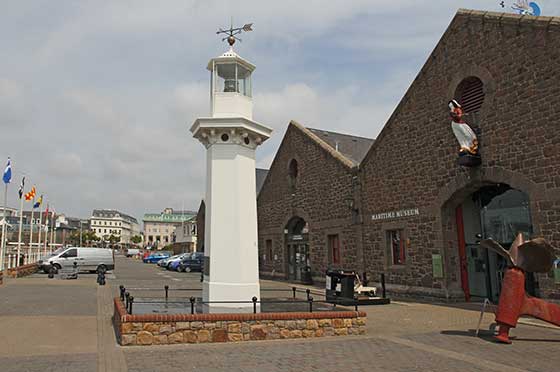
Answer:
(87, 259)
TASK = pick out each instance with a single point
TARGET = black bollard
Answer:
(166, 287)
(127, 299)
(383, 285)
(121, 291)
(308, 292)
(294, 292)
(192, 299)
(310, 299)
(254, 299)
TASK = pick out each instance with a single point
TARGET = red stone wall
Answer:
(412, 164)
(319, 197)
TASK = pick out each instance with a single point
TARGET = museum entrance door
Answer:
(297, 249)
(498, 212)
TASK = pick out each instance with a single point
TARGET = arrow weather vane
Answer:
(231, 32)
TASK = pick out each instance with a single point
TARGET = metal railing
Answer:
(129, 300)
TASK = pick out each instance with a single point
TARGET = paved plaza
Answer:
(65, 325)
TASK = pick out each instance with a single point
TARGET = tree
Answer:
(88, 237)
(136, 239)
(113, 239)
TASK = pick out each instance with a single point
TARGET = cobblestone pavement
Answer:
(424, 352)
(56, 325)
(48, 325)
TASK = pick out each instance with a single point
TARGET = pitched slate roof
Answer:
(352, 147)
(351, 157)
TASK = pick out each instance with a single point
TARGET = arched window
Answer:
(293, 168)
(470, 94)
(293, 173)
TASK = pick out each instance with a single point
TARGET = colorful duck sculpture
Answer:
(462, 131)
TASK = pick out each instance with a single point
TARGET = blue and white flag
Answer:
(8, 172)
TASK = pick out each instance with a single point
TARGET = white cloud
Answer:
(65, 165)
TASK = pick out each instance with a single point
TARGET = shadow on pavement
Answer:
(484, 334)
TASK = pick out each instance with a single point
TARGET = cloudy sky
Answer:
(96, 97)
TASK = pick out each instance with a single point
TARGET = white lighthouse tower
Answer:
(231, 271)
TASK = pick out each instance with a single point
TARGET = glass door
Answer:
(502, 219)
(291, 262)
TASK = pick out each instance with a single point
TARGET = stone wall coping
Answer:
(125, 317)
(22, 270)
(504, 17)
(26, 266)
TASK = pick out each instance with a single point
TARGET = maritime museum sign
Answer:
(395, 214)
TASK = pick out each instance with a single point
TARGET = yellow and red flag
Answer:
(30, 195)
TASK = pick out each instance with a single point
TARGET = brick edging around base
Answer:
(240, 317)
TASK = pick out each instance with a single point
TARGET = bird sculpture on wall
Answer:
(468, 151)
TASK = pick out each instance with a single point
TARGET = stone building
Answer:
(170, 226)
(308, 219)
(423, 213)
(419, 214)
(107, 222)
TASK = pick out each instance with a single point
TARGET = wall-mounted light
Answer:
(349, 202)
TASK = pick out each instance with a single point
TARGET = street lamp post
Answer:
(81, 232)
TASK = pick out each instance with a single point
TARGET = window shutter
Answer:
(472, 94)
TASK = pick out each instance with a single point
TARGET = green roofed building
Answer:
(168, 227)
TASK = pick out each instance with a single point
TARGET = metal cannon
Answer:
(524, 256)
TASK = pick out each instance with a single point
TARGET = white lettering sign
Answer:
(395, 214)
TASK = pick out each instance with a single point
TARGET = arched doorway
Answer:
(297, 248)
(493, 211)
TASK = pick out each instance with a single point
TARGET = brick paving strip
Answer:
(110, 357)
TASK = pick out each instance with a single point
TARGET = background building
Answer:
(169, 227)
(107, 222)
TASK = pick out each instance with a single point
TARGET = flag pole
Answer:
(3, 244)
(52, 229)
(40, 226)
(46, 227)
(20, 227)
(31, 231)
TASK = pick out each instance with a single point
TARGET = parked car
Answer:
(155, 257)
(172, 263)
(163, 263)
(87, 259)
(195, 262)
(132, 252)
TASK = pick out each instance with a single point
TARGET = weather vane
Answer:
(524, 7)
(231, 32)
